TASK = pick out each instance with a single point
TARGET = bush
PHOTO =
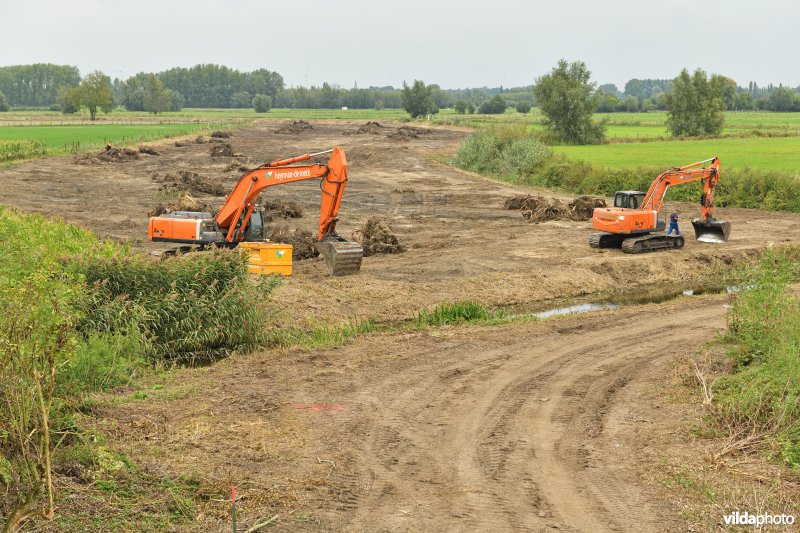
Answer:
(509, 152)
(460, 107)
(241, 100)
(261, 103)
(27, 149)
(495, 106)
(523, 107)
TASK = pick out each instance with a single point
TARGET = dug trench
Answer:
(520, 426)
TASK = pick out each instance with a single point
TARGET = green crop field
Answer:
(776, 153)
(61, 139)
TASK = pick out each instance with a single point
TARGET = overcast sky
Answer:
(456, 44)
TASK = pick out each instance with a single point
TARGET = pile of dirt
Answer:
(302, 241)
(280, 209)
(221, 150)
(220, 134)
(200, 140)
(181, 144)
(540, 208)
(294, 127)
(185, 202)
(147, 150)
(582, 207)
(376, 237)
(190, 182)
(404, 133)
(109, 155)
(370, 128)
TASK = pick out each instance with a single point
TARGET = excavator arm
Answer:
(243, 196)
(654, 199)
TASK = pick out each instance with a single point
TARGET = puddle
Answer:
(649, 295)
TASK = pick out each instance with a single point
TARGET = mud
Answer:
(220, 134)
(148, 150)
(191, 182)
(294, 127)
(405, 133)
(222, 150)
(376, 237)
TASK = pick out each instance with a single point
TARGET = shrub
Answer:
(261, 103)
(25, 149)
(523, 107)
(241, 99)
(495, 106)
(507, 152)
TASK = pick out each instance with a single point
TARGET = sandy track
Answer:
(519, 427)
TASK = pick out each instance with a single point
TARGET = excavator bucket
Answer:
(711, 230)
(342, 257)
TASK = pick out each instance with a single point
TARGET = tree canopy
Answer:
(567, 99)
(418, 99)
(695, 106)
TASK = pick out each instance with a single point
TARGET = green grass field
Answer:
(779, 153)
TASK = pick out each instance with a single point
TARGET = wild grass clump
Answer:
(457, 313)
(761, 397)
(507, 152)
(197, 307)
(24, 149)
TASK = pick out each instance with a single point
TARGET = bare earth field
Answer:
(527, 426)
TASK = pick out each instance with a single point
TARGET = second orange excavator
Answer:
(634, 224)
(241, 220)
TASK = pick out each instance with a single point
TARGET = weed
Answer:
(457, 313)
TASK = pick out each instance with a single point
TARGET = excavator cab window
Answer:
(629, 199)
(255, 229)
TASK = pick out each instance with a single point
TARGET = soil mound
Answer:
(147, 150)
(221, 150)
(370, 128)
(582, 207)
(404, 133)
(376, 237)
(541, 208)
(109, 155)
(278, 208)
(200, 140)
(302, 241)
(220, 134)
(294, 127)
(190, 182)
(181, 144)
(185, 202)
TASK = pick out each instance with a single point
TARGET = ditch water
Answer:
(620, 299)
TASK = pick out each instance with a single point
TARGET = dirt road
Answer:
(461, 243)
(504, 428)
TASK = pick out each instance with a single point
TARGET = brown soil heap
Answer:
(540, 208)
(147, 150)
(185, 202)
(302, 241)
(582, 207)
(376, 237)
(181, 144)
(200, 140)
(109, 155)
(190, 182)
(296, 126)
(370, 128)
(221, 150)
(220, 134)
(404, 133)
(278, 208)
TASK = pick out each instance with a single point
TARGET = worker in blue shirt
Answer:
(673, 223)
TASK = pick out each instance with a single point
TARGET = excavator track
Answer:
(606, 240)
(651, 243)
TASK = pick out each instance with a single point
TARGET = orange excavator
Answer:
(240, 219)
(633, 223)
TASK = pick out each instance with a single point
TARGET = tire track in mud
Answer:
(514, 437)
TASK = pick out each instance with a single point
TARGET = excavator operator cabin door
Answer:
(629, 199)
